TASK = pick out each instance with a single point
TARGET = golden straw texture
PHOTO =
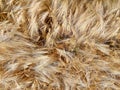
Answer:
(59, 44)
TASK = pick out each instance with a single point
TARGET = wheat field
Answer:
(59, 44)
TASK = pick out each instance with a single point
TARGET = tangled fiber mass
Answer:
(59, 44)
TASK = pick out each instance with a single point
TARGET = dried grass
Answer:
(59, 44)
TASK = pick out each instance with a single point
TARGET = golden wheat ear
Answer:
(59, 44)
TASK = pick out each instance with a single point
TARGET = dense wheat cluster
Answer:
(59, 44)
